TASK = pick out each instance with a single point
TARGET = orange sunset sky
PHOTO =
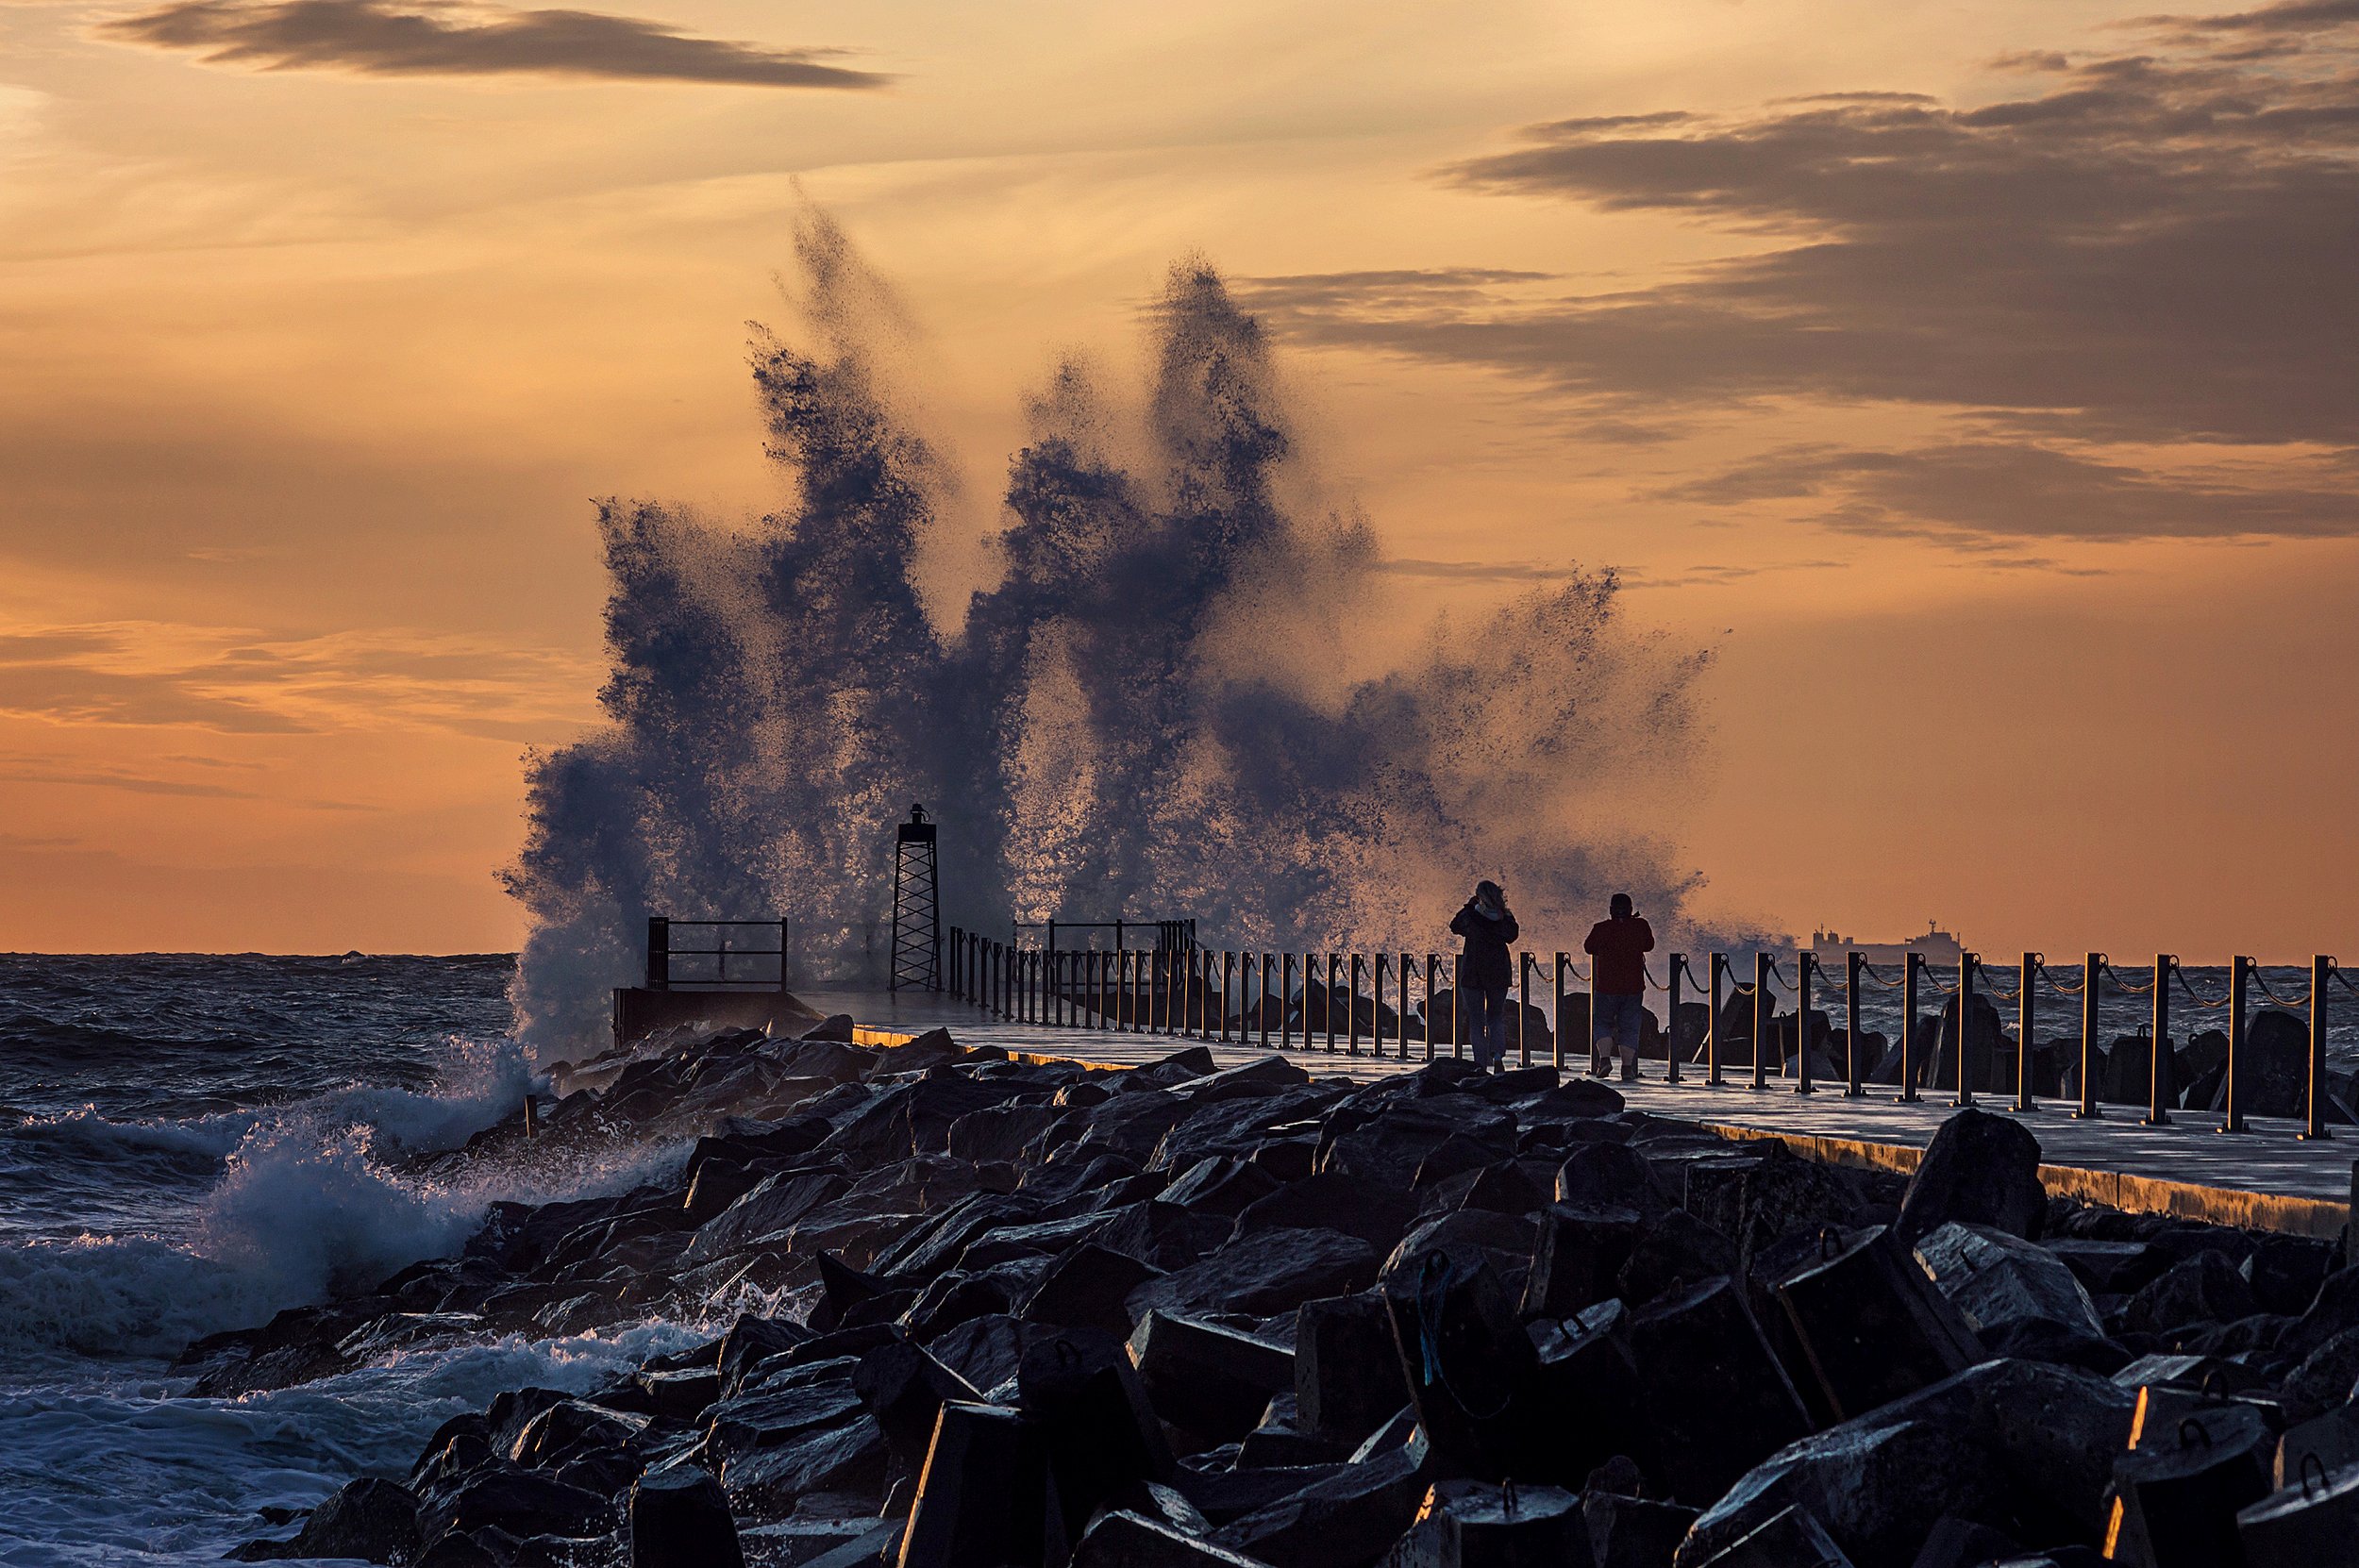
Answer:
(1980, 382)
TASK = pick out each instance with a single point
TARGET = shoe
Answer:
(1630, 1075)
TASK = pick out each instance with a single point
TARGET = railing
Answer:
(1166, 933)
(664, 973)
(1399, 1005)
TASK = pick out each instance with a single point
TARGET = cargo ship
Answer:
(1936, 946)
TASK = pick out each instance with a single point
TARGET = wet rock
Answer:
(1211, 1382)
(1507, 1240)
(1331, 1201)
(1001, 1131)
(1586, 1364)
(2313, 1528)
(1755, 1201)
(2202, 1288)
(2335, 1308)
(2323, 1380)
(1127, 1540)
(2178, 1496)
(1473, 1524)
(1787, 1539)
(1465, 1356)
(1220, 1184)
(847, 1457)
(2016, 1445)
(983, 1498)
(1998, 1281)
(987, 1350)
(1955, 1543)
(1262, 1275)
(905, 1388)
(1677, 1251)
(522, 1502)
(1164, 1235)
(1578, 1258)
(1100, 1436)
(770, 1208)
(1384, 1151)
(1085, 1289)
(370, 1519)
(2286, 1270)
(2108, 1268)
(1609, 1176)
(680, 1518)
(1634, 1532)
(1343, 1520)
(1347, 1372)
(1980, 1168)
(2330, 1441)
(1718, 1401)
(1498, 1187)
(1871, 1328)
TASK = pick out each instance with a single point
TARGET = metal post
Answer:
(2092, 988)
(2239, 969)
(1432, 973)
(1672, 1019)
(1764, 1014)
(1967, 963)
(1228, 976)
(1592, 1019)
(1857, 962)
(1334, 979)
(1523, 1009)
(2026, 1014)
(2159, 1093)
(1353, 1022)
(1458, 1012)
(659, 952)
(1556, 1013)
(1261, 997)
(1375, 1008)
(2314, 1098)
(1402, 1019)
(1718, 966)
(1285, 994)
(1803, 963)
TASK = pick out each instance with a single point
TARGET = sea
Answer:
(191, 1144)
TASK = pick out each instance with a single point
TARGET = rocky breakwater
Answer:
(963, 1310)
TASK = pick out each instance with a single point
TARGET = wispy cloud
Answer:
(2149, 250)
(231, 680)
(433, 38)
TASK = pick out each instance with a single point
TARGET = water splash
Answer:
(1141, 716)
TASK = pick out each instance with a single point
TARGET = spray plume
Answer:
(1116, 726)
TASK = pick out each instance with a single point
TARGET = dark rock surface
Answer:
(954, 1308)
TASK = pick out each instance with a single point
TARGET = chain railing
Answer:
(1406, 1005)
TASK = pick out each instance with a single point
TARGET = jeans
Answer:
(1488, 1026)
(1615, 1024)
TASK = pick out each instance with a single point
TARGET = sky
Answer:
(1975, 382)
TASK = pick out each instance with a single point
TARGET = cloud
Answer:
(229, 680)
(2142, 252)
(1980, 490)
(433, 38)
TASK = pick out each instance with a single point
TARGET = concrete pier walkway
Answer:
(2267, 1177)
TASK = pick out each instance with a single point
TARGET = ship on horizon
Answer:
(1934, 946)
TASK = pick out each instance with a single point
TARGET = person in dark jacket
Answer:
(1484, 969)
(1617, 946)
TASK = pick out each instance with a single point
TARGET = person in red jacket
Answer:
(1617, 947)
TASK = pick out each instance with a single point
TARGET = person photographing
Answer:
(1488, 928)
(1617, 947)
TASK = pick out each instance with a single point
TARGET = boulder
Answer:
(1124, 1540)
(849, 1456)
(1610, 1176)
(1101, 1435)
(1579, 1259)
(1261, 1275)
(1787, 1539)
(1718, 1400)
(1220, 1184)
(2108, 1268)
(1980, 1168)
(371, 1519)
(522, 1502)
(1463, 1355)
(2201, 1288)
(1756, 1200)
(1677, 1251)
(2323, 1380)
(1331, 1201)
(1347, 1372)
(983, 1496)
(1474, 1525)
(905, 1388)
(1871, 1328)
(1343, 1520)
(1085, 1289)
(1208, 1382)
(2021, 1447)
(1997, 1281)
(2335, 1308)
(680, 1518)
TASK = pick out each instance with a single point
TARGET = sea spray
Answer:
(1140, 717)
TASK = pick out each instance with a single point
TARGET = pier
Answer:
(2267, 1177)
